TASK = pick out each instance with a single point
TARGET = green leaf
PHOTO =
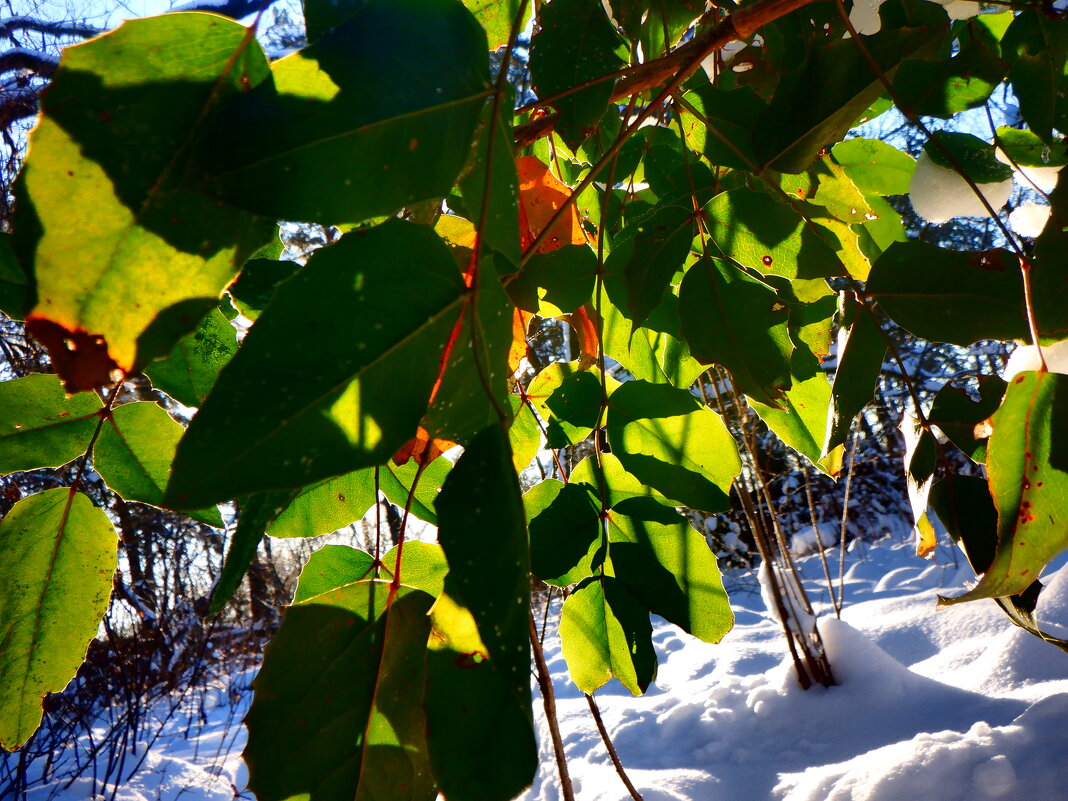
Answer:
(482, 528)
(500, 227)
(134, 454)
(16, 292)
(860, 359)
(481, 738)
(43, 426)
(875, 166)
(653, 352)
(605, 633)
(1030, 493)
(957, 415)
(565, 532)
(611, 482)
(668, 566)
(423, 566)
(802, 423)
(1027, 150)
(483, 689)
(731, 319)
(568, 400)
(190, 371)
(380, 303)
(255, 286)
(720, 123)
(647, 255)
(327, 506)
(799, 122)
(767, 235)
(656, 24)
(119, 121)
(347, 130)
(59, 559)
(972, 153)
(950, 296)
(255, 513)
(524, 434)
(338, 706)
(474, 387)
(564, 277)
(574, 42)
(496, 17)
(331, 567)
(395, 483)
(668, 440)
(1036, 48)
(947, 87)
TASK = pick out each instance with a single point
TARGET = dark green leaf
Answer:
(720, 123)
(950, 296)
(564, 277)
(347, 130)
(255, 286)
(568, 400)
(189, 372)
(574, 42)
(668, 440)
(16, 293)
(957, 415)
(799, 122)
(648, 254)
(59, 559)
(474, 391)
(42, 426)
(669, 567)
(380, 304)
(605, 633)
(338, 707)
(860, 358)
(565, 532)
(944, 88)
(970, 152)
(134, 454)
(734, 320)
(1036, 48)
(500, 228)
(480, 676)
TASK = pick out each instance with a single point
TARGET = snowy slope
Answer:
(949, 704)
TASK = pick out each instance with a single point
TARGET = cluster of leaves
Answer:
(689, 218)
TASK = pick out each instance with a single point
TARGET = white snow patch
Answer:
(1025, 359)
(1028, 219)
(939, 194)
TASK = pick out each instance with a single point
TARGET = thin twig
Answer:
(548, 699)
(596, 712)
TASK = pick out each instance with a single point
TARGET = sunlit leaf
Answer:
(59, 557)
(605, 633)
(189, 372)
(119, 121)
(330, 567)
(134, 452)
(668, 440)
(42, 426)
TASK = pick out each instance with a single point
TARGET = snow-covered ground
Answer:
(939, 704)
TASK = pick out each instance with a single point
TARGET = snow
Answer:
(939, 194)
(943, 704)
(1029, 219)
(1025, 359)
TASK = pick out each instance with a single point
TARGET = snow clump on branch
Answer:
(939, 194)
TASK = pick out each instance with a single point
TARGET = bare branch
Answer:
(21, 58)
(9, 25)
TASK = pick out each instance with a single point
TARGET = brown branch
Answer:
(548, 697)
(742, 24)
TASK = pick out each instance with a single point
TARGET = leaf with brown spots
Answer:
(1031, 495)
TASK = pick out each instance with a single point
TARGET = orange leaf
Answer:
(520, 320)
(587, 336)
(541, 194)
(421, 448)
